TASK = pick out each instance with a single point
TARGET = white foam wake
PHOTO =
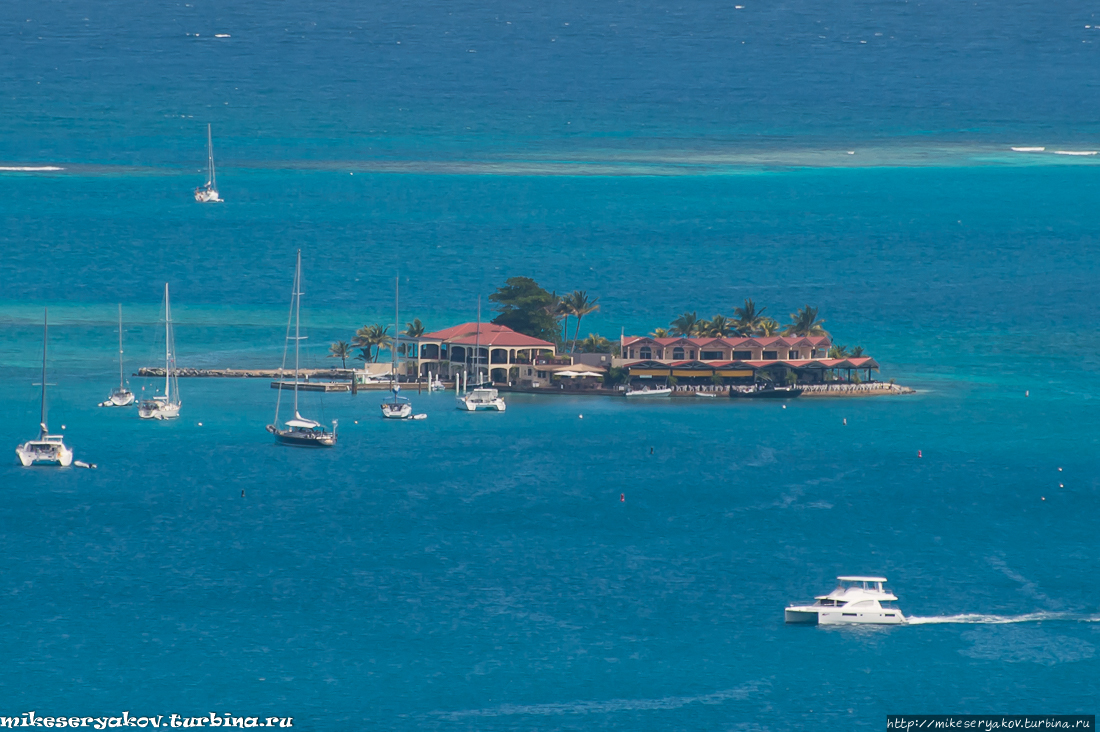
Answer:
(31, 169)
(1075, 152)
(981, 619)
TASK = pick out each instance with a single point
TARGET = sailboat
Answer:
(166, 405)
(47, 449)
(209, 192)
(298, 431)
(482, 398)
(400, 407)
(120, 395)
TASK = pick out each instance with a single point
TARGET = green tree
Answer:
(685, 325)
(659, 333)
(857, 352)
(521, 305)
(838, 351)
(415, 329)
(370, 337)
(578, 305)
(615, 375)
(766, 327)
(805, 323)
(556, 309)
(340, 350)
(596, 344)
(719, 327)
(748, 318)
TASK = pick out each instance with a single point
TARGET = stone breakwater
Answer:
(248, 373)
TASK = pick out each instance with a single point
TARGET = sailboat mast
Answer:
(121, 372)
(396, 331)
(210, 156)
(167, 345)
(477, 347)
(297, 334)
(45, 333)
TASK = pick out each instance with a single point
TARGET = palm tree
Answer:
(364, 355)
(659, 333)
(595, 344)
(766, 327)
(556, 309)
(748, 317)
(340, 350)
(839, 351)
(578, 305)
(370, 336)
(857, 352)
(805, 323)
(415, 329)
(719, 327)
(685, 325)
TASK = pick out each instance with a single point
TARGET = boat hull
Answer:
(207, 195)
(400, 411)
(467, 406)
(119, 399)
(34, 453)
(648, 393)
(158, 411)
(784, 393)
(842, 616)
(302, 438)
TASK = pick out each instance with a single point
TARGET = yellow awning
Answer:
(693, 372)
(649, 372)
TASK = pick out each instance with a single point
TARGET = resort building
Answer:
(502, 352)
(734, 360)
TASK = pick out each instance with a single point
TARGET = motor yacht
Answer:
(645, 391)
(855, 601)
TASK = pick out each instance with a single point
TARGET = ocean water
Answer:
(573, 563)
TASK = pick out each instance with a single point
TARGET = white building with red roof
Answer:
(446, 352)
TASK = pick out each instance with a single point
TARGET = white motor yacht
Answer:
(480, 400)
(856, 600)
(47, 449)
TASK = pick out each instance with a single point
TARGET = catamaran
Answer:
(120, 395)
(400, 407)
(482, 398)
(298, 431)
(47, 449)
(209, 193)
(166, 405)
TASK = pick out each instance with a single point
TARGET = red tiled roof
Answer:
(491, 334)
(734, 340)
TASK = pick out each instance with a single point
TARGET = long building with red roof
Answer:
(736, 359)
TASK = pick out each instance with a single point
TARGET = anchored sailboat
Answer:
(400, 407)
(209, 192)
(120, 395)
(482, 398)
(166, 405)
(47, 449)
(298, 431)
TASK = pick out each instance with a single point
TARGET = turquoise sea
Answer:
(479, 571)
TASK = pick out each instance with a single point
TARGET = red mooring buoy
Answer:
(622, 497)
(919, 454)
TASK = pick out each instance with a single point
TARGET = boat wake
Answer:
(29, 169)
(981, 619)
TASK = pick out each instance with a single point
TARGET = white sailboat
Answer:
(209, 193)
(298, 431)
(120, 395)
(166, 405)
(482, 398)
(47, 449)
(400, 407)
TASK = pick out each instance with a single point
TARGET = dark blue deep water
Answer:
(479, 572)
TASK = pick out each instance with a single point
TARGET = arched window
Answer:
(677, 354)
(645, 353)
